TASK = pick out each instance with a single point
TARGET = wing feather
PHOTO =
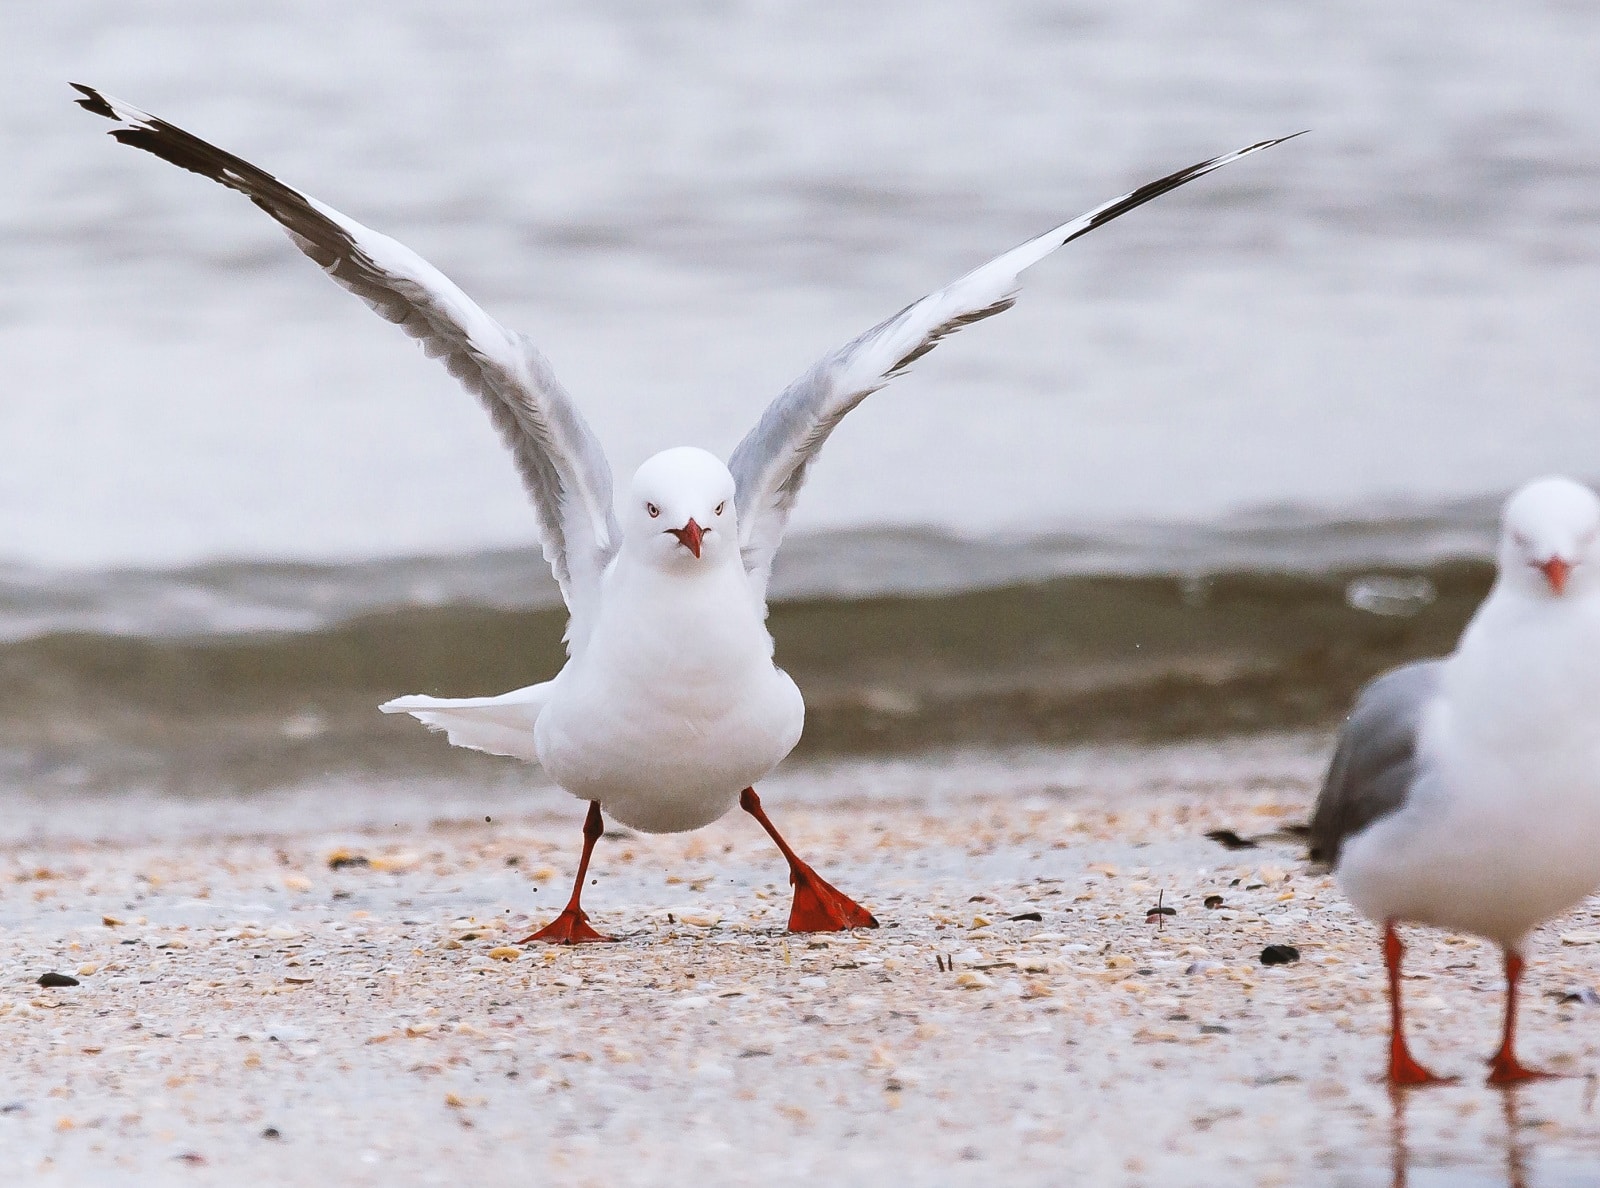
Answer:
(1375, 763)
(769, 466)
(561, 464)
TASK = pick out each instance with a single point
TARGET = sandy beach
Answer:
(245, 1010)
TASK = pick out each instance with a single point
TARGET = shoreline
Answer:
(377, 1020)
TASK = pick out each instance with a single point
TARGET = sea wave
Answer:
(257, 675)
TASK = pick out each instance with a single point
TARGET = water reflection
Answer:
(1516, 1148)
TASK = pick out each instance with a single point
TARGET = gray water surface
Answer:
(686, 204)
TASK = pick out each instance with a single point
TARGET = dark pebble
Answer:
(1213, 901)
(343, 860)
(1034, 916)
(1214, 1029)
(57, 979)
(1279, 955)
(271, 1132)
(1230, 840)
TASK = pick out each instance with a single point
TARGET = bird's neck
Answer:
(1527, 657)
(683, 627)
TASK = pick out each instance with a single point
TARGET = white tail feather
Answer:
(500, 725)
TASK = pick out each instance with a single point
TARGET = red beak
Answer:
(1555, 572)
(689, 536)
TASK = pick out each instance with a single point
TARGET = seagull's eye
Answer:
(653, 510)
(721, 505)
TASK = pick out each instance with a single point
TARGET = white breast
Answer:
(675, 706)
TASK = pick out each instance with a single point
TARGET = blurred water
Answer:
(686, 204)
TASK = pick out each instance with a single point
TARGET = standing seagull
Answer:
(669, 707)
(1465, 792)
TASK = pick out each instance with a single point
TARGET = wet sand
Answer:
(247, 1011)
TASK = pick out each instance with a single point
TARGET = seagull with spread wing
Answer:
(669, 708)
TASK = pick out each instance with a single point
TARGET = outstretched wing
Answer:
(770, 464)
(1375, 764)
(560, 461)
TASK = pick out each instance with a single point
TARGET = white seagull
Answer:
(669, 708)
(1465, 792)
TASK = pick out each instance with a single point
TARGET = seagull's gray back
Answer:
(1375, 763)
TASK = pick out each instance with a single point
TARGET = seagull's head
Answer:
(1550, 537)
(681, 512)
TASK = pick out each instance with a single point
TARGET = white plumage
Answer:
(1465, 792)
(669, 708)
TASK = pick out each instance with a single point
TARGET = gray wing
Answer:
(770, 464)
(561, 463)
(1375, 763)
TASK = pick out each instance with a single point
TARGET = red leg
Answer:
(818, 905)
(1504, 1068)
(1403, 1070)
(571, 927)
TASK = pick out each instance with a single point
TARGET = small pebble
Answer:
(1279, 955)
(57, 979)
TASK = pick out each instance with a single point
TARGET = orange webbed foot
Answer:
(571, 927)
(819, 906)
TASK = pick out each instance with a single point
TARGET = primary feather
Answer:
(557, 456)
(769, 466)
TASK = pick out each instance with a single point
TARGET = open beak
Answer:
(689, 536)
(1555, 572)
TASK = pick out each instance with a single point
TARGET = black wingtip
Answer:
(93, 101)
(1272, 143)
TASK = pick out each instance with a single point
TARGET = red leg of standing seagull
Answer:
(1504, 1068)
(571, 927)
(818, 905)
(1403, 1070)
